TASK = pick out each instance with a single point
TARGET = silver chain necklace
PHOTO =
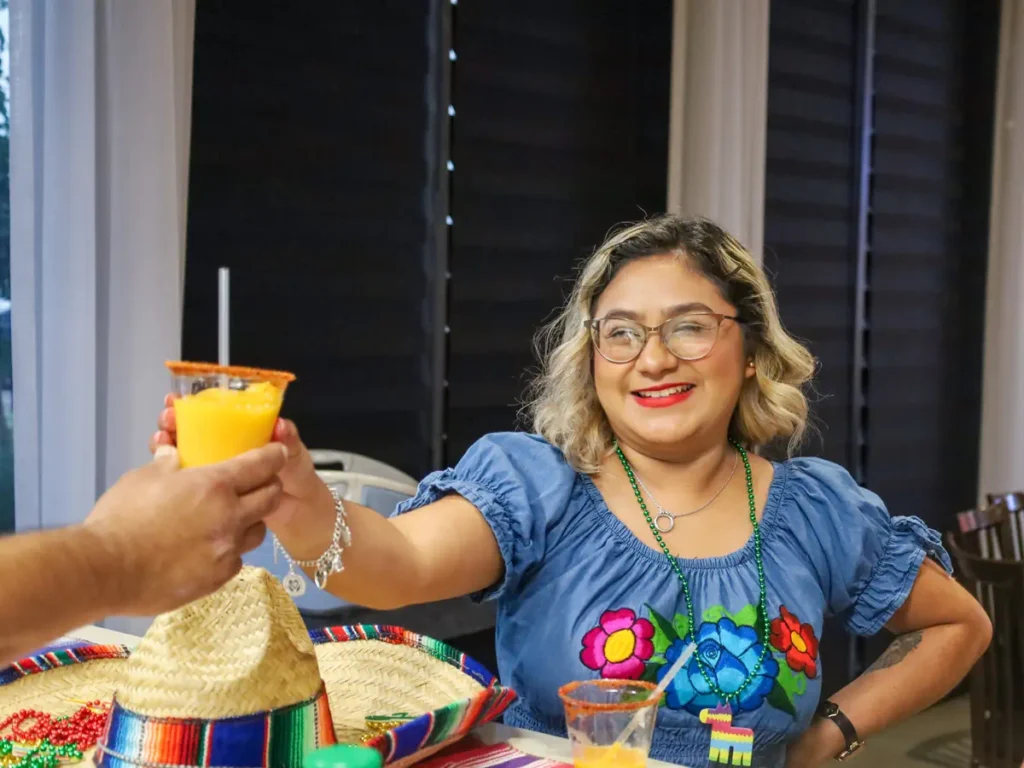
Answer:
(665, 521)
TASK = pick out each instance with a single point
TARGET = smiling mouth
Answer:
(655, 394)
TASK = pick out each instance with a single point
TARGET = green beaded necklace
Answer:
(761, 600)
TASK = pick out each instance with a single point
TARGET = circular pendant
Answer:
(664, 522)
(294, 584)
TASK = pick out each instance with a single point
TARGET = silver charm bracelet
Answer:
(328, 564)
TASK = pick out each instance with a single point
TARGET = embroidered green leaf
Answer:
(793, 683)
(657, 659)
(746, 617)
(714, 613)
(664, 632)
(781, 700)
(681, 624)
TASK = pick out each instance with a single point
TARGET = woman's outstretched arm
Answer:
(442, 550)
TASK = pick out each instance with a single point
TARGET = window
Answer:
(6, 386)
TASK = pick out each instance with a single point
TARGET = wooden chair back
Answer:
(997, 680)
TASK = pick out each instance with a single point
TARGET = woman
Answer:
(640, 517)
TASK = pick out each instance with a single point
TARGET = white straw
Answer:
(223, 318)
(677, 665)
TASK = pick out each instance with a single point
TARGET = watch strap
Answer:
(831, 711)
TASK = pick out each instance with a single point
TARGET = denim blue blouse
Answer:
(582, 597)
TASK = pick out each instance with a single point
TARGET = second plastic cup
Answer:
(222, 411)
(597, 712)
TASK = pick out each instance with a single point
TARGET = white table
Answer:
(532, 743)
(102, 636)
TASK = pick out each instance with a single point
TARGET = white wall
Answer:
(101, 97)
(719, 114)
(1002, 427)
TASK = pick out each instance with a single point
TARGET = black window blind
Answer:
(314, 164)
(809, 210)
(935, 81)
(561, 131)
(308, 174)
(924, 72)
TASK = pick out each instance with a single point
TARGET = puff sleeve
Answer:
(520, 483)
(866, 560)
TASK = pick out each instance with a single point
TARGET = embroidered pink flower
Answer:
(619, 645)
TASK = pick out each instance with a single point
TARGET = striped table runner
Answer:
(470, 754)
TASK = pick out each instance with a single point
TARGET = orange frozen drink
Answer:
(222, 411)
(610, 722)
(612, 756)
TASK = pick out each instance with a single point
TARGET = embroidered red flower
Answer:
(797, 641)
(619, 645)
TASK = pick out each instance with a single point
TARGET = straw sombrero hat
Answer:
(234, 679)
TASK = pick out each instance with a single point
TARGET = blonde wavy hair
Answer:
(563, 404)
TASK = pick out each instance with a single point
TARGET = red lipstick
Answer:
(663, 395)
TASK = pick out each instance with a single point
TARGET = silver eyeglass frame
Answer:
(594, 326)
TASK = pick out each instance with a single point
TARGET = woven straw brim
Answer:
(372, 678)
(364, 678)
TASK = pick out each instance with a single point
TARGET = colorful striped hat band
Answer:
(236, 681)
(279, 738)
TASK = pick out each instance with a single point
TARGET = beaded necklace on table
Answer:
(39, 740)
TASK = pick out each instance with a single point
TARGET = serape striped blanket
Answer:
(470, 753)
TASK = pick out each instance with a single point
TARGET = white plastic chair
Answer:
(354, 462)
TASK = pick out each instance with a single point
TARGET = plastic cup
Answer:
(597, 712)
(222, 411)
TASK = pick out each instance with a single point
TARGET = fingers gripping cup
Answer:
(224, 410)
(599, 715)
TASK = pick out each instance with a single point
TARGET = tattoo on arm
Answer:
(897, 652)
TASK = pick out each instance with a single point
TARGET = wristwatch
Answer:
(831, 711)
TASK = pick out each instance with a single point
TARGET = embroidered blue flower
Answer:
(729, 653)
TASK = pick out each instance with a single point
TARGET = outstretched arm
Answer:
(159, 538)
(52, 581)
(442, 550)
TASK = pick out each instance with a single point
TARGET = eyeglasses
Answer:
(689, 337)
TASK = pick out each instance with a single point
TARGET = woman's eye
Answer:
(689, 329)
(692, 327)
(621, 332)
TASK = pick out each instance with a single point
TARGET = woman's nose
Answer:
(654, 357)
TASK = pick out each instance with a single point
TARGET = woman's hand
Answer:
(304, 520)
(941, 631)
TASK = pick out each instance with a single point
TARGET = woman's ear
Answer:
(750, 370)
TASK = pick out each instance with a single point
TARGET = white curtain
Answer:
(100, 120)
(718, 114)
(1002, 423)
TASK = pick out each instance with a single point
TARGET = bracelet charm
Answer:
(328, 564)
